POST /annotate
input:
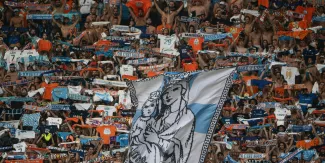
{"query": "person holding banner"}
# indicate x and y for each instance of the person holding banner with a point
(116, 17)
(140, 19)
(16, 21)
(65, 28)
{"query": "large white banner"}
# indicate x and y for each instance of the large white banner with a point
(176, 115)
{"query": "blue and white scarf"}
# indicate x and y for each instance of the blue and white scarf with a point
(291, 155)
(250, 68)
(141, 61)
(78, 97)
(33, 73)
(129, 54)
(216, 37)
(59, 107)
(319, 19)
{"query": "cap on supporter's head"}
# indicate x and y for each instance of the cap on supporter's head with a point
(71, 53)
(103, 35)
(222, 3)
(93, 64)
(16, 10)
(253, 48)
(12, 65)
(313, 44)
(240, 103)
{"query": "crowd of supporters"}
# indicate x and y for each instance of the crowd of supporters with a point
(64, 66)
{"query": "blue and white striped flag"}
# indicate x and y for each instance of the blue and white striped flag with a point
(176, 115)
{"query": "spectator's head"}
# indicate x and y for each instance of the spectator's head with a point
(265, 43)
(74, 6)
(274, 159)
(132, 23)
(191, 29)
(148, 21)
(247, 19)
(302, 43)
(58, 3)
(66, 20)
(220, 156)
(12, 67)
(141, 13)
(281, 128)
(282, 146)
(93, 11)
(235, 9)
(115, 11)
(165, 31)
(224, 15)
(16, 12)
(32, 32)
(320, 9)
(198, 3)
(91, 150)
(115, 20)
(172, 5)
(44, 22)
(78, 130)
(310, 61)
(87, 25)
(222, 4)
(44, 36)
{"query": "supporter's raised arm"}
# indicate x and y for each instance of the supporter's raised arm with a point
(55, 22)
(99, 148)
(132, 13)
(148, 13)
(289, 146)
(162, 13)
(120, 15)
(179, 9)
(207, 8)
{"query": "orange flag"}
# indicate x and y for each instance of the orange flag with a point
(264, 3)
(295, 34)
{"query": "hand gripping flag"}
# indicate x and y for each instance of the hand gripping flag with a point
(176, 115)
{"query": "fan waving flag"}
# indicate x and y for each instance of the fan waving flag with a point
(176, 115)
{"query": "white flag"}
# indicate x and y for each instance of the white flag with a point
(176, 115)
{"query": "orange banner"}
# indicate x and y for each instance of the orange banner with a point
(295, 34)
(23, 161)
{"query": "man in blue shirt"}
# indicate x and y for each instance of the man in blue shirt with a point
(305, 99)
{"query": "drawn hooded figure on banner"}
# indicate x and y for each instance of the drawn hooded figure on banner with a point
(142, 151)
(173, 129)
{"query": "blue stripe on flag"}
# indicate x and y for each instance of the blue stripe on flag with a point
(203, 115)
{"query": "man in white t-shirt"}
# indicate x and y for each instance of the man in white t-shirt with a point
(85, 6)
(124, 98)
(290, 74)
(280, 114)
(126, 70)
(54, 121)
(167, 42)
(20, 147)
(29, 53)
(108, 110)
(235, 19)
(11, 57)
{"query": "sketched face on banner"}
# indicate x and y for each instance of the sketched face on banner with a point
(172, 94)
(149, 107)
